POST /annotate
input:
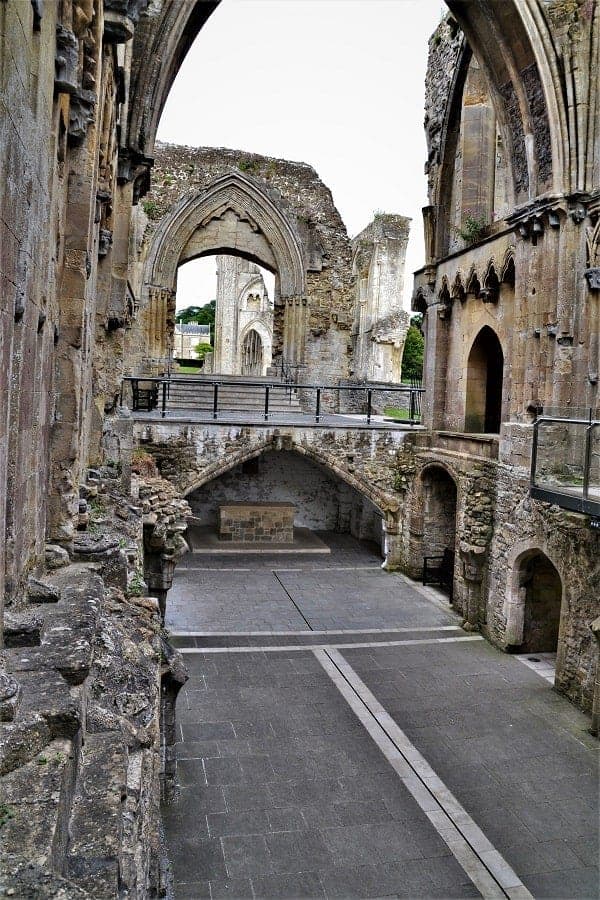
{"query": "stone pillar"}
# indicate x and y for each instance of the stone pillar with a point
(473, 560)
(392, 543)
(288, 329)
(436, 365)
(595, 728)
(515, 615)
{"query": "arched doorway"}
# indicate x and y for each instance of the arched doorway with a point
(439, 517)
(485, 371)
(540, 596)
(252, 354)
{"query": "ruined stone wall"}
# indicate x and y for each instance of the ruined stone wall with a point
(566, 539)
(380, 323)
(242, 305)
(64, 219)
(520, 268)
(86, 678)
(320, 319)
(29, 308)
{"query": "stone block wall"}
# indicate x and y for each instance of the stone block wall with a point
(380, 322)
(257, 523)
(87, 692)
(314, 308)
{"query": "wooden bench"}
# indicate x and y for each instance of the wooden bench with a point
(440, 570)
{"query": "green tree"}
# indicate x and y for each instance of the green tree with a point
(202, 349)
(412, 358)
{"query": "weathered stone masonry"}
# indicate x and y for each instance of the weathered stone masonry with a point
(82, 87)
(275, 212)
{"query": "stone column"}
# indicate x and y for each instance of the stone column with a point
(288, 329)
(436, 327)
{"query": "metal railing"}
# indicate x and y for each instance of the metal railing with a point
(288, 372)
(565, 463)
(154, 394)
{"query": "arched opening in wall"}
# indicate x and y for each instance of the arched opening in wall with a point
(324, 505)
(224, 320)
(540, 598)
(485, 371)
(252, 353)
(439, 525)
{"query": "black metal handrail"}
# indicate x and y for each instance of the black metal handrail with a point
(152, 393)
(566, 495)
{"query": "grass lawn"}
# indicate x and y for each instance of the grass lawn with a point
(189, 370)
(392, 412)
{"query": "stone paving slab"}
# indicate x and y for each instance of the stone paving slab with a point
(284, 794)
(516, 755)
(321, 593)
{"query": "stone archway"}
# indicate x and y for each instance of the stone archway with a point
(439, 495)
(485, 371)
(533, 614)
(326, 498)
(231, 216)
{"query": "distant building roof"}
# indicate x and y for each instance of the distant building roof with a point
(192, 328)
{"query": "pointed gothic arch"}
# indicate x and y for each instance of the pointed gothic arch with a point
(485, 373)
(232, 215)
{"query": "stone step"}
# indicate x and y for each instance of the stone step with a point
(96, 824)
(238, 397)
(37, 797)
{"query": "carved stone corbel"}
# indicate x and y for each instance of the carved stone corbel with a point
(66, 61)
(81, 113)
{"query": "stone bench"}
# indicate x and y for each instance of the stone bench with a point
(257, 523)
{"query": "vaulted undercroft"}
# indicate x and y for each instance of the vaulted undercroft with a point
(95, 218)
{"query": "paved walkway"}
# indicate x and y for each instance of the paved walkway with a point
(375, 750)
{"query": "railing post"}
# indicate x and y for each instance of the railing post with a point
(215, 399)
(369, 405)
(164, 399)
(318, 407)
(587, 459)
(534, 449)
(266, 403)
(411, 413)
(121, 392)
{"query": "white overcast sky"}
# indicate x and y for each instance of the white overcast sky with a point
(338, 84)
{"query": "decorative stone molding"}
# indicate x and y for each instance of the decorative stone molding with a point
(593, 278)
(105, 239)
(81, 113)
(120, 18)
(66, 62)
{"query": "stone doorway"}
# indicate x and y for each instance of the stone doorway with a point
(540, 589)
(439, 512)
(485, 371)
